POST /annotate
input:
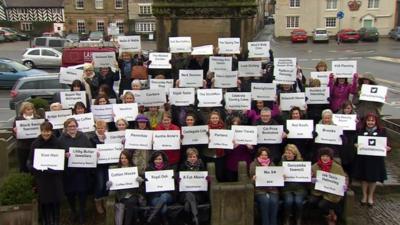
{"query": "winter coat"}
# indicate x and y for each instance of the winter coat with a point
(335, 169)
(108, 80)
(23, 143)
(240, 153)
(365, 107)
(174, 156)
(339, 93)
(252, 172)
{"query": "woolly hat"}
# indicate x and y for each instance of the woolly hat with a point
(142, 118)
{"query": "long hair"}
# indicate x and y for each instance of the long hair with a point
(377, 121)
(127, 156)
(293, 148)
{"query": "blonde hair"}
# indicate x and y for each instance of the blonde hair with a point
(125, 53)
(315, 83)
(123, 120)
(126, 94)
(293, 149)
(100, 123)
(192, 151)
(26, 105)
(55, 105)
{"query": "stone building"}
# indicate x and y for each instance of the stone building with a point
(310, 14)
(84, 16)
(141, 19)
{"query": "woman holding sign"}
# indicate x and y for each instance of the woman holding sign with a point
(340, 90)
(370, 169)
(107, 77)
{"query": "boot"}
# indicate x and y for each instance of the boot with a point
(99, 206)
(104, 204)
(299, 216)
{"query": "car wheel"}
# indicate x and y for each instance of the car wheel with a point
(29, 64)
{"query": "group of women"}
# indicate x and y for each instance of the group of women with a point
(133, 72)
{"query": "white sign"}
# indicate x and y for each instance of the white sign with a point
(263, 91)
(373, 93)
(372, 145)
(346, 121)
(300, 128)
(85, 122)
(209, 97)
(82, 157)
(167, 140)
(109, 153)
(150, 97)
(68, 75)
(245, 135)
(113, 137)
(123, 178)
(129, 43)
(128, 111)
(164, 84)
(57, 118)
(193, 181)
(238, 100)
(250, 69)
(317, 95)
(290, 100)
(27, 129)
(221, 139)
(269, 176)
(344, 69)
(258, 49)
(45, 159)
(269, 134)
(220, 63)
(328, 134)
(285, 70)
(180, 44)
(323, 77)
(104, 59)
(181, 96)
(296, 171)
(226, 79)
(161, 180)
(160, 60)
(103, 112)
(203, 50)
(330, 183)
(195, 135)
(139, 139)
(69, 98)
(229, 45)
(191, 78)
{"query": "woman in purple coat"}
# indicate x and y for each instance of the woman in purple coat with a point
(340, 90)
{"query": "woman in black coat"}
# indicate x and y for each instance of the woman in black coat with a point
(76, 180)
(48, 182)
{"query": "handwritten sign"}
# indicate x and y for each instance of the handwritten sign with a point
(57, 118)
(161, 180)
(296, 171)
(226, 79)
(220, 63)
(139, 139)
(181, 96)
(85, 122)
(82, 157)
(245, 135)
(180, 44)
(103, 112)
(44, 159)
(373, 93)
(123, 178)
(371, 145)
(27, 129)
(114, 137)
(323, 77)
(330, 183)
(209, 97)
(221, 139)
(229, 45)
(285, 70)
(300, 128)
(160, 60)
(269, 176)
(344, 69)
(129, 43)
(68, 75)
(109, 153)
(250, 69)
(317, 95)
(191, 78)
(104, 59)
(345, 121)
(69, 98)
(263, 91)
(259, 49)
(269, 134)
(193, 181)
(195, 135)
(290, 100)
(127, 111)
(238, 100)
(166, 140)
(203, 50)
(328, 134)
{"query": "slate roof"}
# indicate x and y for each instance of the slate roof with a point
(34, 3)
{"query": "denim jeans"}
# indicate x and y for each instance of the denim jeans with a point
(101, 179)
(165, 198)
(293, 199)
(268, 204)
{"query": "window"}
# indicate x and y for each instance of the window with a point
(26, 26)
(292, 21)
(100, 25)
(145, 9)
(40, 42)
(31, 85)
(120, 25)
(119, 4)
(98, 4)
(56, 43)
(294, 3)
(52, 84)
(34, 52)
(331, 4)
(373, 4)
(145, 27)
(6, 68)
(79, 4)
(46, 52)
(80, 26)
(330, 22)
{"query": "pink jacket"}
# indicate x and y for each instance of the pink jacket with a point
(340, 93)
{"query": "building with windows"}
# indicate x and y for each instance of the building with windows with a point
(310, 14)
(141, 17)
(84, 16)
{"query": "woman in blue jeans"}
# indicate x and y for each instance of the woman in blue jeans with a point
(267, 198)
(293, 192)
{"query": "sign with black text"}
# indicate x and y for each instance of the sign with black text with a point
(128, 111)
(250, 69)
(220, 63)
(344, 69)
(103, 112)
(69, 98)
(129, 43)
(300, 128)
(346, 121)
(322, 76)
(372, 145)
(193, 181)
(82, 157)
(328, 134)
(57, 118)
(68, 75)
(297, 171)
(317, 95)
(191, 78)
(269, 176)
(160, 60)
(330, 183)
(263, 91)
(160, 180)
(238, 100)
(195, 135)
(290, 100)
(167, 140)
(245, 135)
(104, 59)
(373, 93)
(258, 49)
(229, 45)
(225, 79)
(27, 129)
(220, 138)
(285, 70)
(269, 134)
(180, 44)
(209, 97)
(123, 178)
(44, 159)
(181, 96)
(139, 139)
(114, 137)
(165, 84)
(85, 122)
(109, 153)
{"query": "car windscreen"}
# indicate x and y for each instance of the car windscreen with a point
(320, 32)
(351, 33)
(18, 66)
(299, 33)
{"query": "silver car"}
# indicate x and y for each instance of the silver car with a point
(41, 58)
(320, 35)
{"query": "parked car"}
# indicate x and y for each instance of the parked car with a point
(395, 33)
(11, 71)
(50, 42)
(2, 37)
(20, 35)
(369, 34)
(347, 35)
(269, 20)
(320, 35)
(74, 37)
(96, 36)
(9, 36)
(41, 58)
(38, 86)
(298, 35)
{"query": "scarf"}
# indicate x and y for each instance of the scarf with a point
(263, 162)
(326, 167)
(219, 125)
(159, 166)
(193, 166)
(101, 137)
